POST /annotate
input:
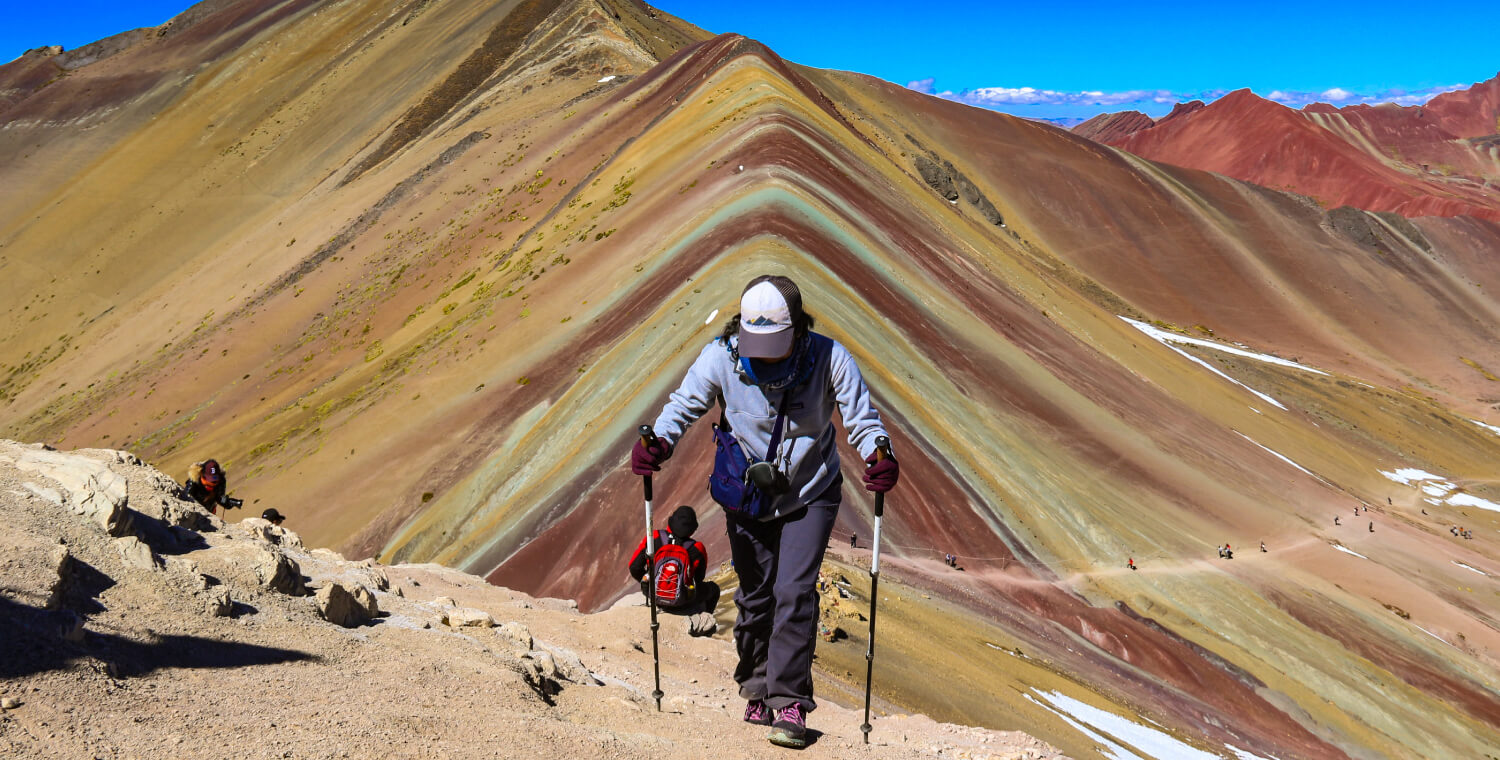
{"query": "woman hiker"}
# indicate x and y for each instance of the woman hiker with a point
(768, 366)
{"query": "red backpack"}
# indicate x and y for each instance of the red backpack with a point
(674, 573)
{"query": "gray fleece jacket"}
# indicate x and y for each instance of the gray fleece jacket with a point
(808, 453)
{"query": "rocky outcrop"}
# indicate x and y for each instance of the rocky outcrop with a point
(85, 486)
(950, 183)
(64, 566)
(341, 606)
(515, 636)
(264, 530)
(279, 572)
(137, 553)
(937, 177)
(463, 617)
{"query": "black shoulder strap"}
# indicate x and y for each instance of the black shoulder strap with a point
(776, 430)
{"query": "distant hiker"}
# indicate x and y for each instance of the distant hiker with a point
(853, 540)
(1335, 519)
(1453, 530)
(207, 484)
(273, 517)
(1130, 563)
(777, 382)
(1221, 552)
(950, 560)
(681, 564)
(1388, 502)
(1263, 547)
(1364, 507)
(1228, 552)
(1372, 526)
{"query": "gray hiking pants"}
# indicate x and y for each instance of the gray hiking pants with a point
(777, 563)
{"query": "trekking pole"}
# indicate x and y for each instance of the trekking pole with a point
(882, 450)
(648, 438)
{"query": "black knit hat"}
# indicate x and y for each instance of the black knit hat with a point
(683, 522)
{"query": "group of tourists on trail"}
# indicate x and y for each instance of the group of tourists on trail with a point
(777, 385)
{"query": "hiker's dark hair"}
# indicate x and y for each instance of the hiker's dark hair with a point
(802, 322)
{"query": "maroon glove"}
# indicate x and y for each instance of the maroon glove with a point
(645, 460)
(881, 475)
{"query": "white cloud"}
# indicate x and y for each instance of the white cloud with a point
(1002, 98)
(922, 85)
(1343, 97)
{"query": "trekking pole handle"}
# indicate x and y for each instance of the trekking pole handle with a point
(648, 439)
(882, 451)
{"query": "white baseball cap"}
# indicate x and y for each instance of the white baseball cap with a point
(766, 321)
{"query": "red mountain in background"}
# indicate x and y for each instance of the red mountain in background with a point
(1439, 159)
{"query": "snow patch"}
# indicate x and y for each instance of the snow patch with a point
(1469, 500)
(1439, 488)
(711, 316)
(609, 78)
(1487, 426)
(1348, 551)
(1276, 454)
(1468, 567)
(1118, 733)
(1435, 636)
(1166, 339)
(1408, 475)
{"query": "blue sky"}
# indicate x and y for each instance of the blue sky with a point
(1033, 59)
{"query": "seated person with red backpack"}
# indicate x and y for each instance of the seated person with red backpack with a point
(681, 564)
(207, 485)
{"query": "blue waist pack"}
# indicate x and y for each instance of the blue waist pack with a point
(732, 484)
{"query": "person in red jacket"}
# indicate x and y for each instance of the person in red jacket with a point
(207, 484)
(681, 567)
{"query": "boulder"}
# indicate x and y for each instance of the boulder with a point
(92, 489)
(515, 636)
(542, 664)
(137, 553)
(375, 578)
(936, 177)
(459, 617)
(66, 567)
(340, 606)
(279, 572)
(217, 602)
(702, 624)
(366, 600)
(44, 493)
(262, 529)
(180, 513)
(568, 667)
